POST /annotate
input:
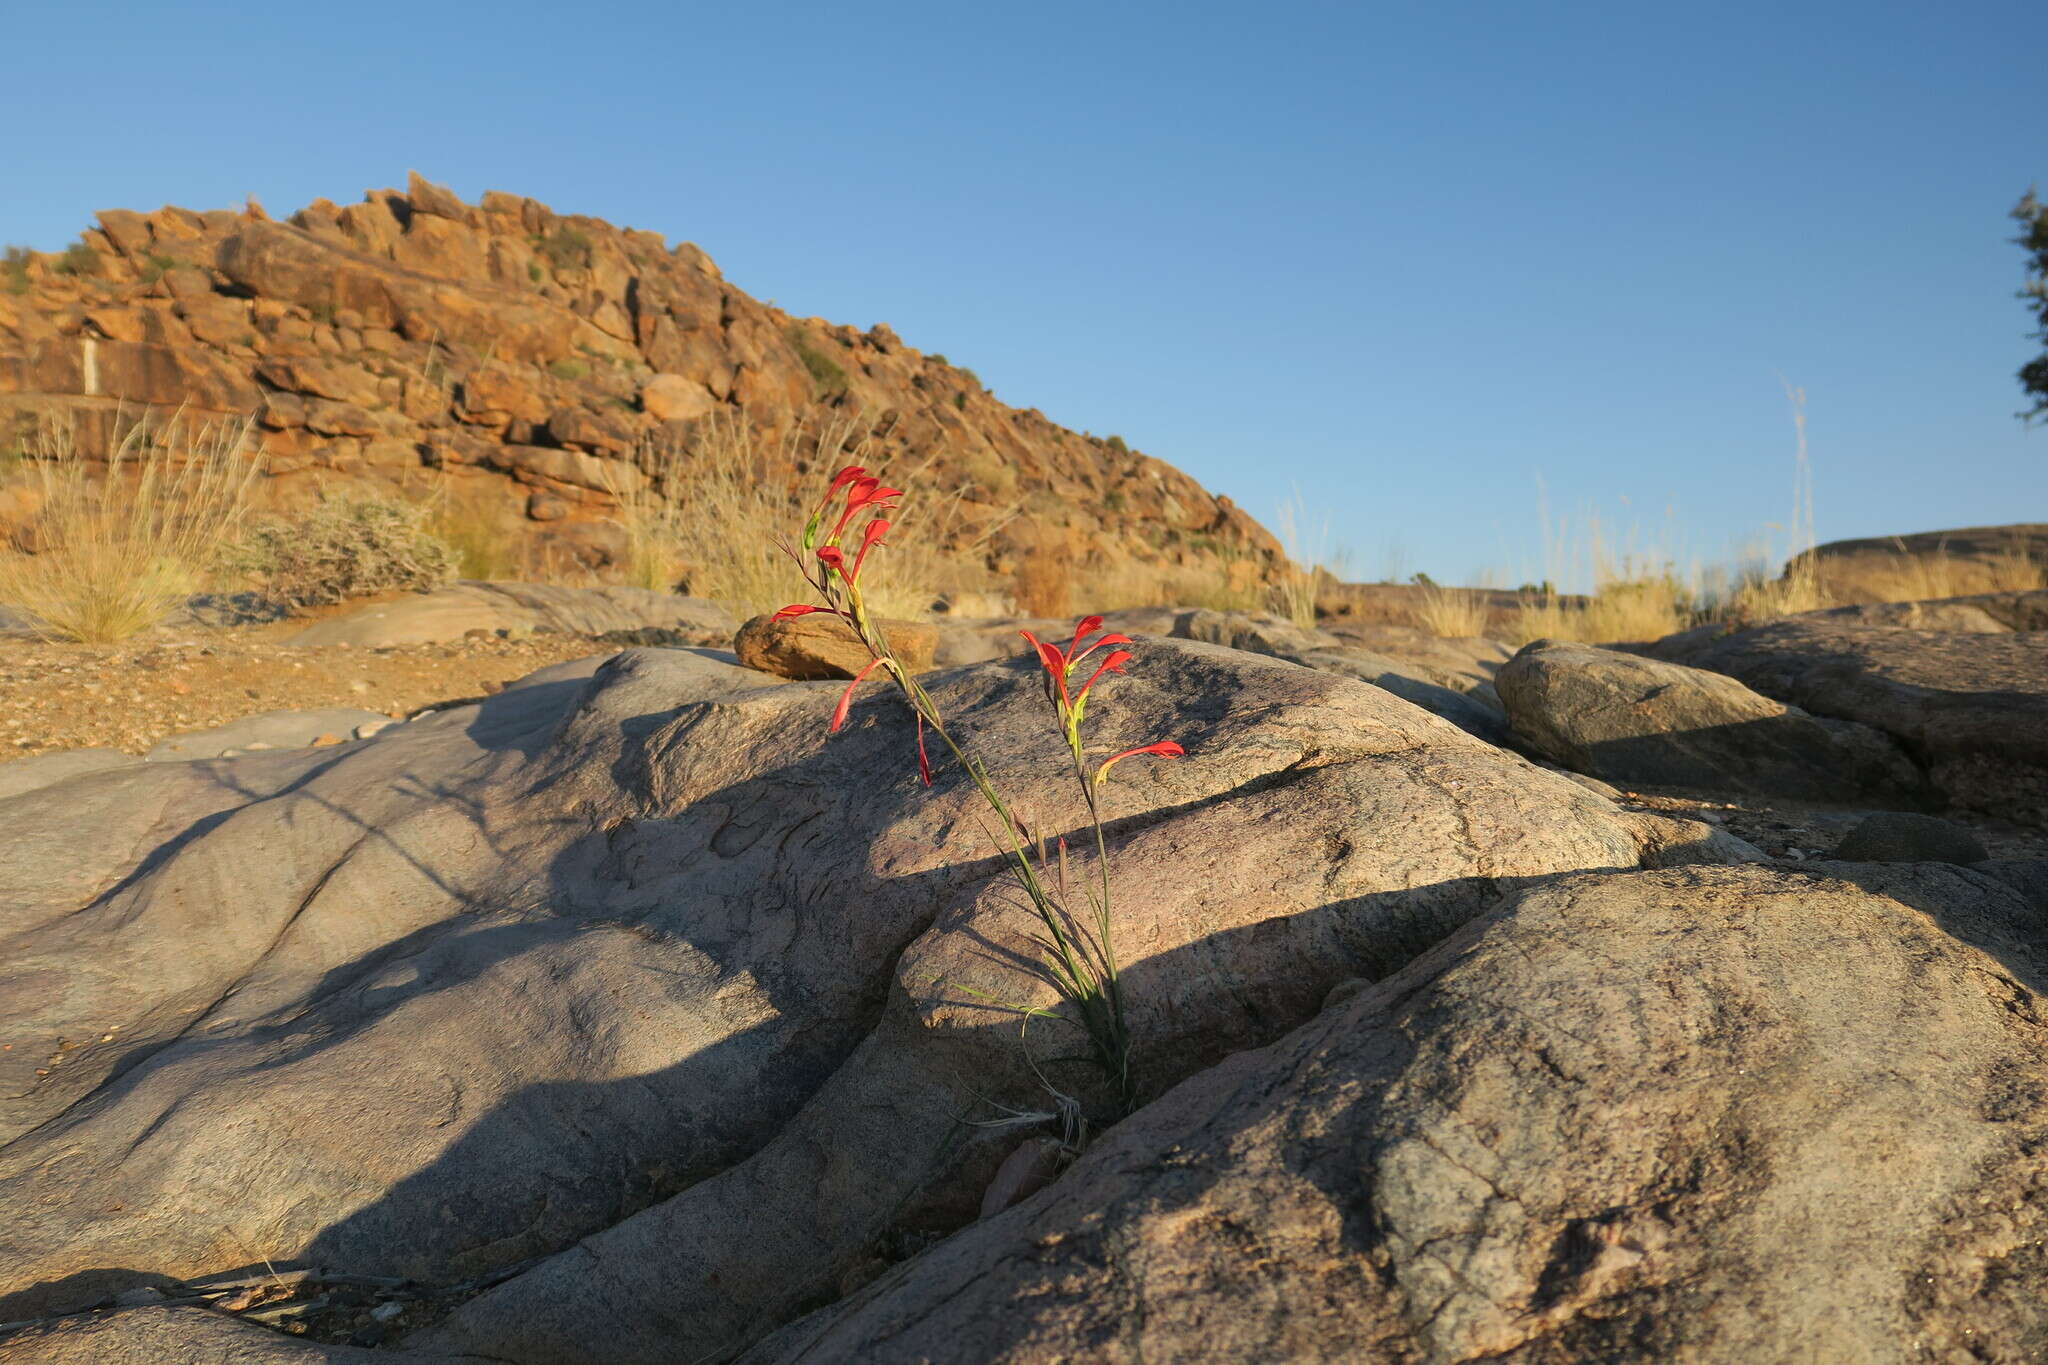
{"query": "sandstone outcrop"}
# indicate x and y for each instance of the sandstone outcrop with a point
(526, 363)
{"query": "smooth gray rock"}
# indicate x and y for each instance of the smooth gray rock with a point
(265, 730)
(47, 770)
(451, 613)
(1904, 837)
(1645, 723)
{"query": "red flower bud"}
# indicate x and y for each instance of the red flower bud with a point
(1165, 748)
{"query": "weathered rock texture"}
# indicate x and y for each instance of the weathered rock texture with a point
(520, 360)
(1703, 1115)
(1971, 708)
(1643, 722)
(643, 970)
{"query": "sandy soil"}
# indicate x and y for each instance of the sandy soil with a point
(132, 695)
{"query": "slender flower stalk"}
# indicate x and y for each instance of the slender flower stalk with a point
(1078, 957)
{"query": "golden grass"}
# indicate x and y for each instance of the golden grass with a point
(1453, 613)
(1924, 577)
(122, 543)
(1233, 582)
(710, 516)
(486, 543)
(1626, 605)
(1294, 590)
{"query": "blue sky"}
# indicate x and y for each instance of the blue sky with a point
(1417, 260)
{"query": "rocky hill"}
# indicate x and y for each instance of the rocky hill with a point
(526, 362)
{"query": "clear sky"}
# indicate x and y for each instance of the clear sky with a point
(1416, 260)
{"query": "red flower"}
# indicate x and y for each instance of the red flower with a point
(869, 539)
(868, 493)
(1059, 663)
(839, 481)
(846, 697)
(1165, 748)
(798, 609)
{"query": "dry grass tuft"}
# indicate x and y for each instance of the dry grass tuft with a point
(1628, 603)
(1294, 593)
(709, 516)
(1234, 583)
(1922, 577)
(1454, 613)
(120, 544)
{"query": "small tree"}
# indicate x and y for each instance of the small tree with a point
(2032, 216)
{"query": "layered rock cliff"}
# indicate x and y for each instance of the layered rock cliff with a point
(522, 360)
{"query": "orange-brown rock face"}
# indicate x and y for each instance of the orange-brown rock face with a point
(508, 354)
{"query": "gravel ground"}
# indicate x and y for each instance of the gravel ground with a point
(130, 696)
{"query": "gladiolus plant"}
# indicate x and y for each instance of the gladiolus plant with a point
(1079, 955)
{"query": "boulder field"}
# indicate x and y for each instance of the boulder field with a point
(682, 1030)
(528, 367)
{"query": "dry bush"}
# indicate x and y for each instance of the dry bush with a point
(486, 544)
(345, 547)
(710, 515)
(1041, 586)
(119, 544)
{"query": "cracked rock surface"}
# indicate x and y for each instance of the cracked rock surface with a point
(643, 975)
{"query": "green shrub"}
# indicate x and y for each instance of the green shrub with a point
(345, 547)
(960, 401)
(566, 249)
(323, 313)
(534, 272)
(14, 269)
(78, 259)
(568, 369)
(1116, 443)
(826, 375)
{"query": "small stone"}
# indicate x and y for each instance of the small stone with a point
(372, 727)
(326, 741)
(1903, 837)
(822, 646)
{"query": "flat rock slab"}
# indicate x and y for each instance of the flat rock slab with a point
(1646, 723)
(269, 730)
(644, 973)
(47, 770)
(1712, 1115)
(1971, 708)
(453, 612)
